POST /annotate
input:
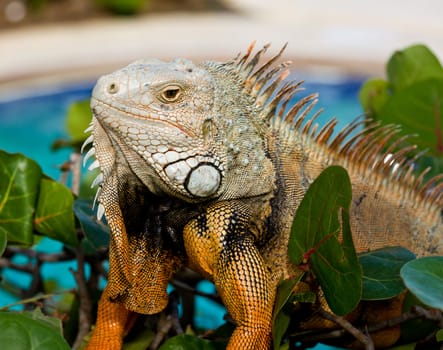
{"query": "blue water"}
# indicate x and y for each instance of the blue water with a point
(32, 120)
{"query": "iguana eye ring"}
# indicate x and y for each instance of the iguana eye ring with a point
(171, 93)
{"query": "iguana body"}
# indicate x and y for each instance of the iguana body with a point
(204, 166)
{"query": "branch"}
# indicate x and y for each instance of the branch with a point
(415, 312)
(85, 310)
(184, 286)
(35, 299)
(43, 257)
(359, 335)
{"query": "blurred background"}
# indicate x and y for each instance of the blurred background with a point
(76, 39)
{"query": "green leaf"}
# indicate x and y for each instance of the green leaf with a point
(411, 65)
(439, 335)
(315, 232)
(381, 272)
(96, 232)
(19, 186)
(77, 120)
(53, 322)
(424, 278)
(54, 216)
(373, 95)
(189, 342)
(419, 110)
(282, 318)
(21, 332)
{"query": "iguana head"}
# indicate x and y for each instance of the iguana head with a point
(186, 130)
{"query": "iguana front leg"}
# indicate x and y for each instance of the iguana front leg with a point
(112, 323)
(141, 262)
(219, 244)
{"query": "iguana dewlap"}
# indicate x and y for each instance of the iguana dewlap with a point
(203, 165)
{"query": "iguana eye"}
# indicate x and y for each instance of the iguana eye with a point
(171, 93)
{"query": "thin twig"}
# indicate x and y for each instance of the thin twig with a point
(182, 285)
(359, 335)
(165, 323)
(414, 313)
(44, 257)
(320, 337)
(36, 299)
(4, 262)
(85, 309)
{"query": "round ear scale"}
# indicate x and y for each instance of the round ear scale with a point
(203, 181)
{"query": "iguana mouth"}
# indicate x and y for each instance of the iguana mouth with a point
(98, 106)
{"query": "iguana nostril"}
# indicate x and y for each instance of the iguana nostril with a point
(113, 88)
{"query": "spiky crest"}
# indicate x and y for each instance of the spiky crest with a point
(363, 144)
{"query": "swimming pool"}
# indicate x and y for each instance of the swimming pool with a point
(30, 121)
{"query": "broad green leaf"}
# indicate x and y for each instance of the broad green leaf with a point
(419, 110)
(373, 95)
(282, 318)
(19, 186)
(381, 272)
(439, 335)
(315, 232)
(53, 322)
(3, 242)
(411, 65)
(189, 342)
(424, 278)
(54, 216)
(78, 118)
(21, 332)
(96, 232)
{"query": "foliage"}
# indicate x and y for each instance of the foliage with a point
(33, 206)
(424, 278)
(321, 237)
(381, 272)
(18, 194)
(412, 96)
(123, 7)
(282, 316)
(77, 120)
(31, 331)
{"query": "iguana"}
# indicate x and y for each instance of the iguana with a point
(204, 165)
